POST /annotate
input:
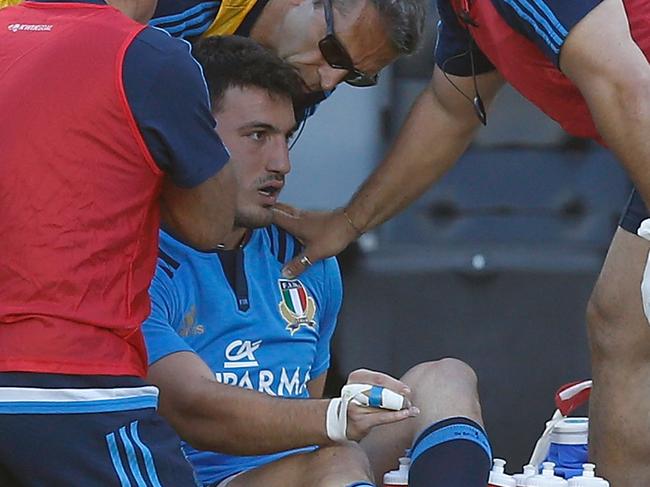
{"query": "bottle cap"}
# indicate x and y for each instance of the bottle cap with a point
(498, 477)
(520, 478)
(399, 476)
(588, 478)
(571, 431)
(547, 478)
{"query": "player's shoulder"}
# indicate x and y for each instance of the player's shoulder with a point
(173, 257)
(180, 8)
(155, 57)
(446, 12)
(284, 247)
(185, 18)
(155, 45)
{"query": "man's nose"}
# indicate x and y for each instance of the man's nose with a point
(330, 77)
(280, 162)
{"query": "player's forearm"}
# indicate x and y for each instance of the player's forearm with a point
(243, 422)
(203, 215)
(429, 143)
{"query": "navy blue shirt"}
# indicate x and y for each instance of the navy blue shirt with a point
(547, 23)
(169, 99)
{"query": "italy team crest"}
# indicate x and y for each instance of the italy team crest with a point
(297, 307)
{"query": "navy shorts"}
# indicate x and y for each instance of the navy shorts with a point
(69, 431)
(634, 213)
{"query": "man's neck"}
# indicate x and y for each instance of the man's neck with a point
(236, 238)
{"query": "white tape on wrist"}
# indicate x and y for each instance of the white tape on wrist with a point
(645, 289)
(365, 395)
(644, 232)
(337, 423)
(644, 229)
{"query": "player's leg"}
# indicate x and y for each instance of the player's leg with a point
(446, 393)
(76, 431)
(335, 466)
(619, 336)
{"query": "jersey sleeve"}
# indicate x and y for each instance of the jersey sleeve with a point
(331, 297)
(453, 44)
(547, 23)
(160, 327)
(169, 99)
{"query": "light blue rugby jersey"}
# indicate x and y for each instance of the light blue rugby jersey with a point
(252, 327)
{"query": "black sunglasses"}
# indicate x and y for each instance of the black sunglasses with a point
(337, 56)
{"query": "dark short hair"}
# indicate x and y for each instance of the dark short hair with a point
(234, 61)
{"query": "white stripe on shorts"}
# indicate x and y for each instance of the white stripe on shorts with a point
(32, 394)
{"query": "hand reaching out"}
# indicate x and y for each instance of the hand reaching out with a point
(358, 420)
(324, 234)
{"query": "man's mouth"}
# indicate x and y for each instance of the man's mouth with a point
(271, 190)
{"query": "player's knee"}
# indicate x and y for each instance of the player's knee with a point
(444, 388)
(599, 315)
(615, 326)
(338, 465)
(441, 373)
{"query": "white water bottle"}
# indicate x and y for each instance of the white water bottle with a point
(522, 478)
(498, 477)
(547, 478)
(398, 477)
(588, 478)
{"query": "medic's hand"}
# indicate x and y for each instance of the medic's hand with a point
(324, 234)
(361, 419)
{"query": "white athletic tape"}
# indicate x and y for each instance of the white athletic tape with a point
(644, 232)
(337, 423)
(385, 398)
(365, 395)
(645, 289)
(644, 229)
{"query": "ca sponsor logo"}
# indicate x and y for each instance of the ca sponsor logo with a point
(297, 307)
(241, 354)
(30, 27)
